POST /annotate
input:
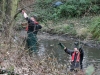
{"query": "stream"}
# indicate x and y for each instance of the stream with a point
(49, 46)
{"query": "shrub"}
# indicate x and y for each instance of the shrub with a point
(69, 8)
(72, 8)
(95, 9)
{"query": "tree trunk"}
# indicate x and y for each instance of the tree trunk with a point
(8, 10)
(13, 9)
(2, 10)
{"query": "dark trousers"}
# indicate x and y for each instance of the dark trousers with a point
(74, 66)
(32, 41)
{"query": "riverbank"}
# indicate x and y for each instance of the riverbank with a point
(17, 59)
(73, 28)
(63, 37)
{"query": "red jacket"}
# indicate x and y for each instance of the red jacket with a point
(78, 57)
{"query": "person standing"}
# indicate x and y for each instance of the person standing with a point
(32, 30)
(76, 57)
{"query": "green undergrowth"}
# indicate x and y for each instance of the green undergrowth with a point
(73, 26)
(95, 28)
(71, 18)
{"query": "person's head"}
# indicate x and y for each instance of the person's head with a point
(34, 17)
(76, 50)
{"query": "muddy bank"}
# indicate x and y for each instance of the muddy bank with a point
(22, 63)
(85, 42)
(61, 37)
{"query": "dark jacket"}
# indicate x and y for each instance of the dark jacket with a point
(32, 27)
(70, 52)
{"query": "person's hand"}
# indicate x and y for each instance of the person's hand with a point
(59, 43)
(64, 48)
(20, 10)
(23, 11)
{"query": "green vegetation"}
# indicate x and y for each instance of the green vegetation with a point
(76, 12)
(95, 27)
(79, 11)
(69, 8)
(60, 29)
(71, 18)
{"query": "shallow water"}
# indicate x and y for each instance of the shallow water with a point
(48, 46)
(51, 48)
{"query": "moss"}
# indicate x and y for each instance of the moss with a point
(14, 6)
